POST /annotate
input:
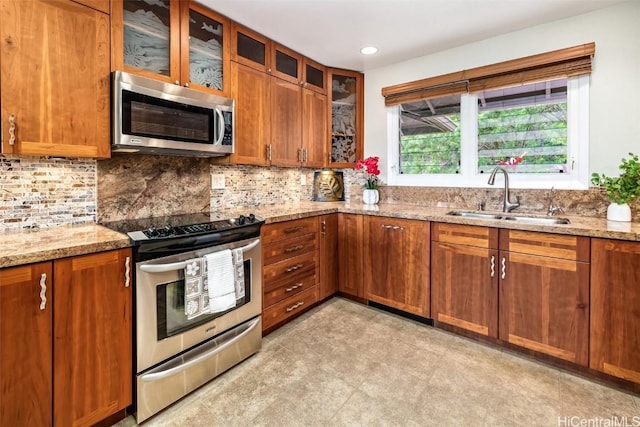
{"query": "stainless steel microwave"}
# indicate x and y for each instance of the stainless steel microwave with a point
(150, 116)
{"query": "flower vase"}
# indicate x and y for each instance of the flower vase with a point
(370, 196)
(619, 212)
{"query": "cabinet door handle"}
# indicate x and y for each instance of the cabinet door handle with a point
(504, 267)
(323, 226)
(294, 287)
(127, 272)
(43, 291)
(493, 265)
(294, 248)
(269, 152)
(177, 82)
(582, 305)
(12, 129)
(294, 268)
(292, 229)
(306, 155)
(186, 84)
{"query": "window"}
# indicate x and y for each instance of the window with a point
(531, 121)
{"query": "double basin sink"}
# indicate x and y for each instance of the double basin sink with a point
(507, 217)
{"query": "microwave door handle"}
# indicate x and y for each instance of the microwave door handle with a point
(163, 268)
(220, 126)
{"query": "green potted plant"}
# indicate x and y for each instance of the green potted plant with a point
(621, 189)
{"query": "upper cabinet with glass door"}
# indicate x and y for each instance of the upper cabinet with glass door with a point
(346, 112)
(174, 41)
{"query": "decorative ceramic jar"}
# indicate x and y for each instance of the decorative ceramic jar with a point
(619, 212)
(370, 197)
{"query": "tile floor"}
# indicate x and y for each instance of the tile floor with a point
(346, 364)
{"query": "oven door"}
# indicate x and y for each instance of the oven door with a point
(163, 329)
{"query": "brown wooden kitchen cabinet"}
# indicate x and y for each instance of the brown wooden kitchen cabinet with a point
(329, 259)
(396, 263)
(290, 271)
(26, 356)
(185, 44)
(295, 129)
(464, 277)
(351, 254)
(346, 114)
(615, 308)
(544, 293)
(54, 68)
(92, 337)
(65, 337)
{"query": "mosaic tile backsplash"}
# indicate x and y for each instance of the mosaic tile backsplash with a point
(39, 192)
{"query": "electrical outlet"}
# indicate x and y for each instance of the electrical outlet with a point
(303, 179)
(217, 181)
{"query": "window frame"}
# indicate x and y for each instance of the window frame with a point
(577, 148)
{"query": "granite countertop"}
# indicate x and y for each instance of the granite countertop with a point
(26, 247)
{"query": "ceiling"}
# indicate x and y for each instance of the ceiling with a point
(332, 32)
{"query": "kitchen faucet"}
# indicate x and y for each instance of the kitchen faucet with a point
(553, 209)
(507, 206)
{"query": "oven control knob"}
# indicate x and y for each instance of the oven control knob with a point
(232, 221)
(241, 219)
(252, 218)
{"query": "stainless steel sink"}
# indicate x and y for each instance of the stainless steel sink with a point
(526, 219)
(481, 215)
(537, 220)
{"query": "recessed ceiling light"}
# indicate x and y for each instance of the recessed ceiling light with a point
(369, 50)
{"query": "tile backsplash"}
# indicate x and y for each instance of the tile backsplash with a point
(41, 192)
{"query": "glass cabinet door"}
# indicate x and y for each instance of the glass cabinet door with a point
(250, 48)
(287, 64)
(315, 76)
(205, 35)
(346, 118)
(149, 37)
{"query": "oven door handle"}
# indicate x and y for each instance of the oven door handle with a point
(199, 358)
(163, 268)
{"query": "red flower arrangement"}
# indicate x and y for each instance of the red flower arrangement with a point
(370, 165)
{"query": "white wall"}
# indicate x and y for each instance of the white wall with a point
(615, 80)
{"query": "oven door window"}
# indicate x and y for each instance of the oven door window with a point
(170, 298)
(152, 117)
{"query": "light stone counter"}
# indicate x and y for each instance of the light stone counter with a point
(25, 247)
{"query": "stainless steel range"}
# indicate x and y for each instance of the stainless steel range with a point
(197, 304)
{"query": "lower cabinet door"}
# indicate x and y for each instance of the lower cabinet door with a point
(92, 337)
(25, 345)
(544, 305)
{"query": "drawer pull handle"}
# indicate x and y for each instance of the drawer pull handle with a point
(294, 268)
(294, 287)
(292, 229)
(392, 227)
(294, 306)
(43, 291)
(582, 305)
(294, 248)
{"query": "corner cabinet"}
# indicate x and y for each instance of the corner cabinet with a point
(464, 277)
(178, 42)
(61, 106)
(346, 112)
(351, 254)
(615, 308)
(396, 263)
(66, 340)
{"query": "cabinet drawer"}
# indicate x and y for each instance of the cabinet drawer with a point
(574, 248)
(290, 269)
(289, 307)
(288, 248)
(288, 229)
(277, 291)
(469, 235)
